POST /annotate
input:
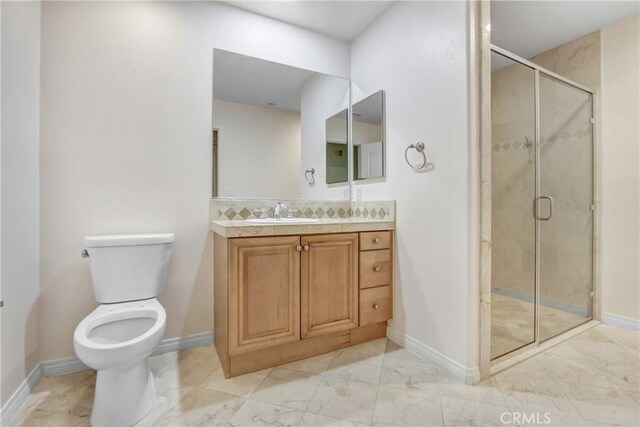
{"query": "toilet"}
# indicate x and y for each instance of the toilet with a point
(116, 339)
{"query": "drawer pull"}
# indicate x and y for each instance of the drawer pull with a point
(306, 248)
(298, 248)
(376, 240)
(376, 306)
(376, 268)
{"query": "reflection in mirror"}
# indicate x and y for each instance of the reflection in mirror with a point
(368, 137)
(271, 122)
(337, 155)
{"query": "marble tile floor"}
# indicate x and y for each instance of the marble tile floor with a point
(590, 380)
(513, 323)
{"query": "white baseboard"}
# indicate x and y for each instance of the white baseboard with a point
(621, 321)
(66, 365)
(15, 402)
(69, 365)
(182, 343)
(458, 371)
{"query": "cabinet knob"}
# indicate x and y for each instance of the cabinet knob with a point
(376, 306)
(376, 240)
(306, 248)
(298, 248)
(376, 268)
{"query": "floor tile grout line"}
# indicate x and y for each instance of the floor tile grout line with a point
(613, 380)
(353, 380)
(477, 401)
(517, 408)
(590, 363)
(324, 373)
(558, 383)
(375, 400)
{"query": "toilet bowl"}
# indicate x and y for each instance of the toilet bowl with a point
(116, 339)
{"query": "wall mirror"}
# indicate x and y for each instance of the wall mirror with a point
(270, 124)
(337, 153)
(368, 137)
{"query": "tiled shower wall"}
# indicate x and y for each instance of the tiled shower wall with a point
(566, 174)
(232, 209)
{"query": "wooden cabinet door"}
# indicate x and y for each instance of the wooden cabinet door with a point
(329, 284)
(264, 292)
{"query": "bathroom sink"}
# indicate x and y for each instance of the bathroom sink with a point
(281, 221)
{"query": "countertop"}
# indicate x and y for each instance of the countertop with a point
(239, 228)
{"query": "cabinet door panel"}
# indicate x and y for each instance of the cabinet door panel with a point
(264, 284)
(329, 285)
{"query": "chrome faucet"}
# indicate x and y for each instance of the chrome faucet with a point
(278, 210)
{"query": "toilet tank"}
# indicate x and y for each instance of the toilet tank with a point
(128, 267)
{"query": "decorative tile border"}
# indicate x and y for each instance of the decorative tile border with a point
(232, 209)
(385, 210)
(527, 143)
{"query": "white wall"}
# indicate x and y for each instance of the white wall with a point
(321, 97)
(19, 230)
(126, 140)
(417, 52)
(257, 142)
(620, 169)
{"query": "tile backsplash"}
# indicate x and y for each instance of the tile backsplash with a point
(375, 209)
(232, 209)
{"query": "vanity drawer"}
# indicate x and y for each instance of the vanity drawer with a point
(375, 305)
(375, 268)
(372, 240)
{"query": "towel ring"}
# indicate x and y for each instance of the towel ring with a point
(419, 147)
(311, 179)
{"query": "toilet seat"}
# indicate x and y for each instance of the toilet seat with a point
(120, 334)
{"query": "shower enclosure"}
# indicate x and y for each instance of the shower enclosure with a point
(542, 204)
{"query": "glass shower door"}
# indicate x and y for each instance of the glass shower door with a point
(513, 286)
(564, 207)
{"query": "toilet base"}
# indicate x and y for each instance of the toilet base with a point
(123, 396)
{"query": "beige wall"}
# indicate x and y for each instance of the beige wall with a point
(126, 140)
(19, 280)
(620, 269)
(251, 141)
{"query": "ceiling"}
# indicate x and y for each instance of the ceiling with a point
(528, 28)
(523, 27)
(339, 19)
(248, 80)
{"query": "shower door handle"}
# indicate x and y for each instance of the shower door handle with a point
(536, 205)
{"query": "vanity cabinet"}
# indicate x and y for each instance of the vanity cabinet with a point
(264, 299)
(329, 283)
(282, 298)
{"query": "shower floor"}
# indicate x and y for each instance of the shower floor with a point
(513, 323)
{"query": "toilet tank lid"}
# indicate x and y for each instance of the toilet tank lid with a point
(128, 240)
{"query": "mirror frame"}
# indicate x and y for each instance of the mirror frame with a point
(383, 135)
